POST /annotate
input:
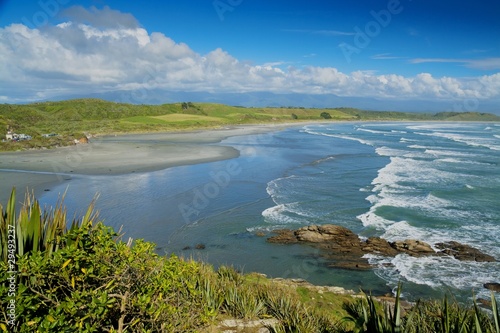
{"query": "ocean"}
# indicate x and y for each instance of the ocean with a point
(433, 182)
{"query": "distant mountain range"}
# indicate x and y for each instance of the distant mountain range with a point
(269, 99)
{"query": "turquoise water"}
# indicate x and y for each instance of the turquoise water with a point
(428, 181)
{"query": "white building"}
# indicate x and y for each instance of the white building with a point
(11, 136)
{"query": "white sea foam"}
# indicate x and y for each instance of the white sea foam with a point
(339, 136)
(370, 130)
(276, 215)
(407, 140)
(411, 182)
(371, 219)
(437, 272)
(273, 185)
(460, 161)
(482, 234)
(442, 152)
(466, 139)
(403, 230)
(391, 189)
(402, 169)
(287, 213)
(386, 151)
(268, 228)
(444, 126)
(418, 146)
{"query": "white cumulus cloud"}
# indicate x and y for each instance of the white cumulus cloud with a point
(105, 50)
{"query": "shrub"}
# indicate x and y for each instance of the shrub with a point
(94, 282)
(325, 115)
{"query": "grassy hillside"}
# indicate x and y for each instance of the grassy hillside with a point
(74, 118)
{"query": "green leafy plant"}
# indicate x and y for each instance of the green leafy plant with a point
(35, 230)
(367, 315)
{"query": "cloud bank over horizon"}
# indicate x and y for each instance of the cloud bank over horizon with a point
(104, 50)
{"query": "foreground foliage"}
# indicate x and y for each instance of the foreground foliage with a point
(368, 315)
(85, 279)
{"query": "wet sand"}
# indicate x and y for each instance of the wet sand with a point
(39, 170)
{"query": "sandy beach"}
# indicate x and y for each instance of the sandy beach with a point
(39, 170)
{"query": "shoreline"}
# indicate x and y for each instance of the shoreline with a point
(41, 170)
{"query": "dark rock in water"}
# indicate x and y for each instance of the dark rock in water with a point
(464, 252)
(344, 249)
(284, 236)
(327, 233)
(380, 246)
(200, 246)
(484, 302)
(412, 247)
(492, 286)
(360, 264)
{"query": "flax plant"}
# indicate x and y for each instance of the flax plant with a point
(36, 230)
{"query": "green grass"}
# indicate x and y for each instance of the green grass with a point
(74, 118)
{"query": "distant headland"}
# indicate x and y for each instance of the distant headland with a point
(62, 123)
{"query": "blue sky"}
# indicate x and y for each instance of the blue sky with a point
(417, 50)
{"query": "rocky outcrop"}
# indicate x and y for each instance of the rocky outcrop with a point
(412, 247)
(344, 249)
(283, 236)
(377, 245)
(327, 233)
(464, 252)
(493, 286)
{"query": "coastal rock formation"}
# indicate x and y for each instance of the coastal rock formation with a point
(380, 246)
(344, 249)
(464, 252)
(493, 286)
(283, 236)
(412, 247)
(327, 233)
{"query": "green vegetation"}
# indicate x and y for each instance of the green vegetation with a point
(368, 315)
(73, 119)
(85, 279)
(326, 115)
